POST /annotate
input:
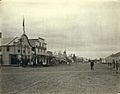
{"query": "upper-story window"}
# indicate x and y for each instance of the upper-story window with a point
(40, 44)
(44, 51)
(43, 45)
(18, 50)
(28, 51)
(23, 51)
(33, 49)
(38, 50)
(8, 49)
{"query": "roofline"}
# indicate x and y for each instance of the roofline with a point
(33, 39)
(38, 38)
(41, 38)
(12, 40)
(113, 55)
(7, 45)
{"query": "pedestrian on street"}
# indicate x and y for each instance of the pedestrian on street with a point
(92, 64)
(117, 67)
(113, 63)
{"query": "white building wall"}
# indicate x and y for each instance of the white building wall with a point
(14, 50)
(6, 54)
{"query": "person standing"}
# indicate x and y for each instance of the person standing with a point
(92, 64)
(113, 63)
(117, 67)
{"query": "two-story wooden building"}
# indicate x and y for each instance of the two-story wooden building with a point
(13, 49)
(39, 50)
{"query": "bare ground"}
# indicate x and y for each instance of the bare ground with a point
(63, 79)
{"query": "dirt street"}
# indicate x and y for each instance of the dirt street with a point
(62, 79)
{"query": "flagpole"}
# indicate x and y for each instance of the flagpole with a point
(23, 25)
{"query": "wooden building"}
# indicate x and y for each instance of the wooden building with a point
(15, 49)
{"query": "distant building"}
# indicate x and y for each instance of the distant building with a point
(115, 57)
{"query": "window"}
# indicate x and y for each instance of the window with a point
(40, 44)
(23, 51)
(33, 49)
(44, 51)
(28, 51)
(43, 45)
(38, 50)
(18, 51)
(0, 49)
(8, 49)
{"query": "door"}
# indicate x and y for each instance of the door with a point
(13, 59)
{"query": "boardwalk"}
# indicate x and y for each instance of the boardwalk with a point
(74, 79)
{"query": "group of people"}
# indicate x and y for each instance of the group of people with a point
(116, 65)
(23, 61)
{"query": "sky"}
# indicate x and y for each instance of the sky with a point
(88, 28)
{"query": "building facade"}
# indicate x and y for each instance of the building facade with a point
(16, 50)
(113, 57)
(39, 51)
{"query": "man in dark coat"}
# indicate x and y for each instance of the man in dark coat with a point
(117, 66)
(92, 64)
(113, 63)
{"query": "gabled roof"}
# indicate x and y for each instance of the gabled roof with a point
(9, 41)
(32, 42)
(116, 55)
(16, 39)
